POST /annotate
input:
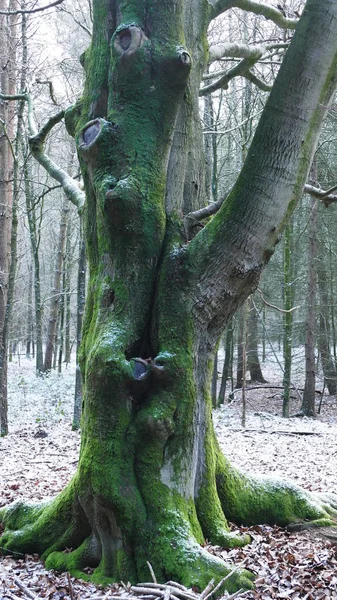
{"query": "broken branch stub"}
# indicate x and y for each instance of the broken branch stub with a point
(129, 39)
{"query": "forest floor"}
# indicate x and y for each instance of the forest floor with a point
(40, 453)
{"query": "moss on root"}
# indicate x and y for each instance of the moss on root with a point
(253, 500)
(44, 527)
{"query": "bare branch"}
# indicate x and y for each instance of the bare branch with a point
(33, 10)
(237, 50)
(262, 85)
(281, 310)
(193, 219)
(51, 90)
(239, 69)
(36, 144)
(79, 23)
(226, 131)
(326, 196)
(258, 8)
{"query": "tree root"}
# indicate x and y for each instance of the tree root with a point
(44, 527)
(250, 501)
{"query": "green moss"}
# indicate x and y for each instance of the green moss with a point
(250, 501)
(43, 527)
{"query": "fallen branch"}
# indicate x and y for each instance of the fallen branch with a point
(264, 387)
(277, 431)
(25, 590)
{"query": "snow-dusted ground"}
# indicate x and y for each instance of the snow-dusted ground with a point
(38, 400)
(300, 449)
(40, 453)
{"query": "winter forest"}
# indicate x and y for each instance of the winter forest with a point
(168, 299)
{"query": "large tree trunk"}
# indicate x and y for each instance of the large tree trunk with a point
(151, 482)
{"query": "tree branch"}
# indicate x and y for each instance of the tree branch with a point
(193, 219)
(258, 8)
(239, 69)
(326, 196)
(281, 310)
(36, 144)
(79, 23)
(262, 85)
(234, 50)
(237, 50)
(51, 90)
(33, 10)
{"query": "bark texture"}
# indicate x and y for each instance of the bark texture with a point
(7, 86)
(151, 482)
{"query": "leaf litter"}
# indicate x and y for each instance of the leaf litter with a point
(40, 454)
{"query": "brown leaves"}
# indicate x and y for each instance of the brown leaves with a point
(289, 566)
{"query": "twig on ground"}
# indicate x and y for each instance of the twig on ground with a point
(25, 590)
(220, 584)
(207, 589)
(71, 589)
(151, 571)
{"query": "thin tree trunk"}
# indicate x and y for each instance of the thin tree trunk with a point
(7, 206)
(228, 362)
(215, 381)
(253, 361)
(34, 241)
(328, 364)
(67, 297)
(29, 312)
(308, 403)
(288, 299)
(62, 304)
(80, 311)
(240, 347)
(55, 292)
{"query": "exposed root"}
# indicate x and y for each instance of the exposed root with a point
(44, 527)
(250, 501)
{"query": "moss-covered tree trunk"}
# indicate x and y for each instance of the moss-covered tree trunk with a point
(151, 483)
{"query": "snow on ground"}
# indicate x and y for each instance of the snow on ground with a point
(40, 453)
(300, 449)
